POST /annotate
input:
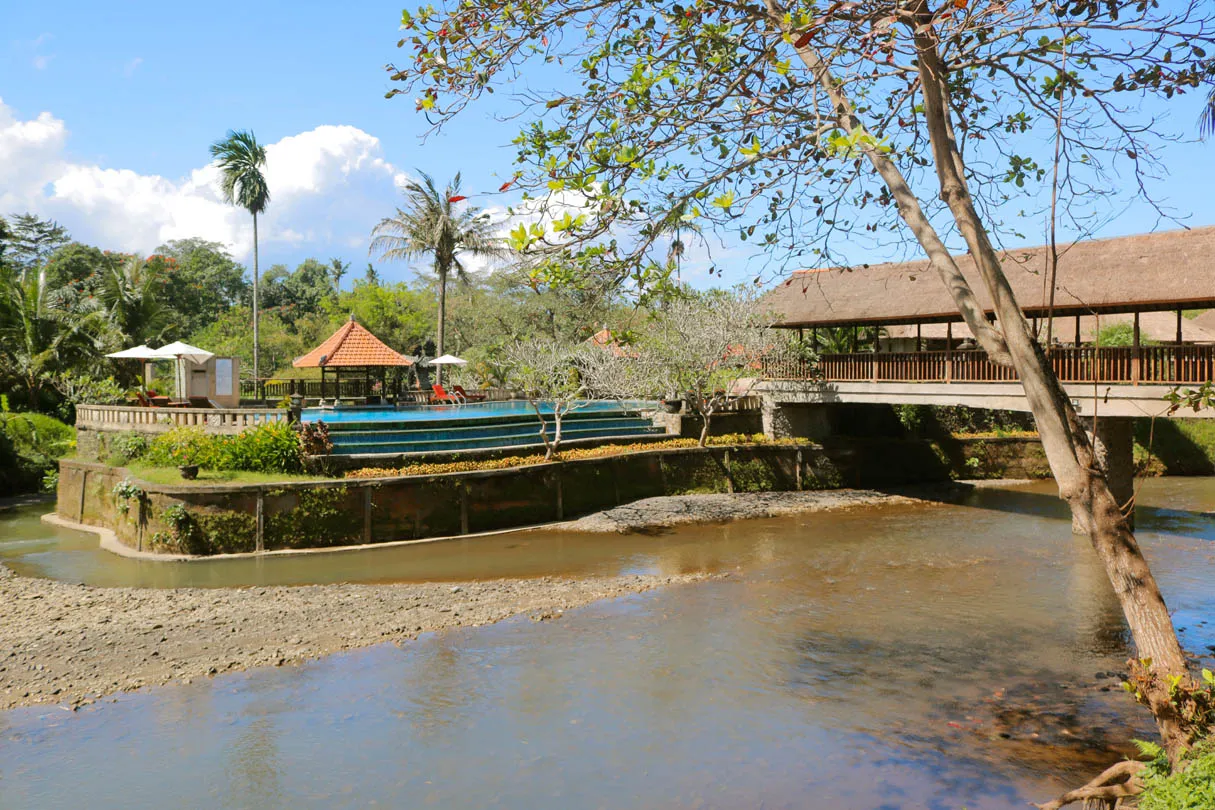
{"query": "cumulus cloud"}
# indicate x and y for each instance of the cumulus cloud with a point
(328, 186)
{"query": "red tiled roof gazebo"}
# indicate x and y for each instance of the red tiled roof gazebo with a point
(353, 348)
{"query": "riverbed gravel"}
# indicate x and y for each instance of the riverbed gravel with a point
(667, 511)
(71, 644)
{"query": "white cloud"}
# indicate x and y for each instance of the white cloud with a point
(42, 60)
(129, 69)
(328, 186)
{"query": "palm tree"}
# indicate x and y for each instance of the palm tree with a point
(47, 331)
(430, 223)
(1206, 122)
(241, 159)
(130, 292)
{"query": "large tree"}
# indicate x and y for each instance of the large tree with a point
(201, 282)
(241, 160)
(433, 222)
(29, 241)
(804, 126)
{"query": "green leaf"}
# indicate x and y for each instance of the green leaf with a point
(724, 201)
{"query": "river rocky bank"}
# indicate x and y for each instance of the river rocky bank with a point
(71, 644)
(664, 512)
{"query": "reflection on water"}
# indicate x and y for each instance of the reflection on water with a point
(933, 656)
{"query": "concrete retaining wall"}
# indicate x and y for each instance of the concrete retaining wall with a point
(248, 518)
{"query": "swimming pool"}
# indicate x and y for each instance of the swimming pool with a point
(472, 410)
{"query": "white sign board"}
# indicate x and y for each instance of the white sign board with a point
(223, 376)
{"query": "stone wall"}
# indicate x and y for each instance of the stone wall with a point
(246, 518)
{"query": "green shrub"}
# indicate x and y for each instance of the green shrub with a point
(266, 448)
(185, 445)
(30, 446)
(126, 447)
(1191, 788)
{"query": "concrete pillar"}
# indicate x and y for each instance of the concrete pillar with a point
(795, 420)
(1113, 444)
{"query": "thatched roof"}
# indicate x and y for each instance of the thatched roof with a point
(352, 346)
(1150, 272)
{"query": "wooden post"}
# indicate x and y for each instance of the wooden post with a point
(874, 359)
(814, 336)
(322, 383)
(917, 337)
(949, 351)
(855, 339)
(1177, 362)
(1135, 353)
(1077, 330)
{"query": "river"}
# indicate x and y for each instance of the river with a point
(908, 656)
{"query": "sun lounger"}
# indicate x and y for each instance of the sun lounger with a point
(467, 397)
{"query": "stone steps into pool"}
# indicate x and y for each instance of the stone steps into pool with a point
(388, 437)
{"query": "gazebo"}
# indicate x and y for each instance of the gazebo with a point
(354, 350)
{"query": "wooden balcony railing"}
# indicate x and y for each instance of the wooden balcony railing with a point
(1114, 364)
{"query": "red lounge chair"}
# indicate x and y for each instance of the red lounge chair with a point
(467, 397)
(438, 395)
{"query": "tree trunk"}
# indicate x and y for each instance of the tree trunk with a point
(442, 319)
(256, 336)
(1067, 448)
(704, 427)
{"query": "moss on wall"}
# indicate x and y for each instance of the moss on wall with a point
(313, 518)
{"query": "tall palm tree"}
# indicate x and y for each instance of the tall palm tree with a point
(430, 223)
(1206, 122)
(241, 159)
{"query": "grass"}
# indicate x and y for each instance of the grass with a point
(170, 476)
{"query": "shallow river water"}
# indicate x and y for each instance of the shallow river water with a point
(925, 656)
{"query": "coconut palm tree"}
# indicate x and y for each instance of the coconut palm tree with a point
(431, 223)
(1206, 122)
(241, 159)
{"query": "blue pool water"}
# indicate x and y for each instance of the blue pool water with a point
(474, 426)
(472, 410)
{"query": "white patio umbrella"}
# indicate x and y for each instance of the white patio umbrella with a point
(135, 353)
(141, 352)
(182, 351)
(447, 360)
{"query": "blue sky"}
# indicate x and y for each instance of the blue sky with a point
(106, 112)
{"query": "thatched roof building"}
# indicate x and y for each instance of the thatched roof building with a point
(1146, 273)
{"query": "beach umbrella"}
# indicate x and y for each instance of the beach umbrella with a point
(447, 360)
(135, 353)
(140, 352)
(180, 352)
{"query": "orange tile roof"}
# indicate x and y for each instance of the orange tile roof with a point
(352, 346)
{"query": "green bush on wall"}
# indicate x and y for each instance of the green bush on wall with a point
(267, 448)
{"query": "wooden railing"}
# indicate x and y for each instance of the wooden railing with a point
(356, 388)
(1114, 364)
(158, 420)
